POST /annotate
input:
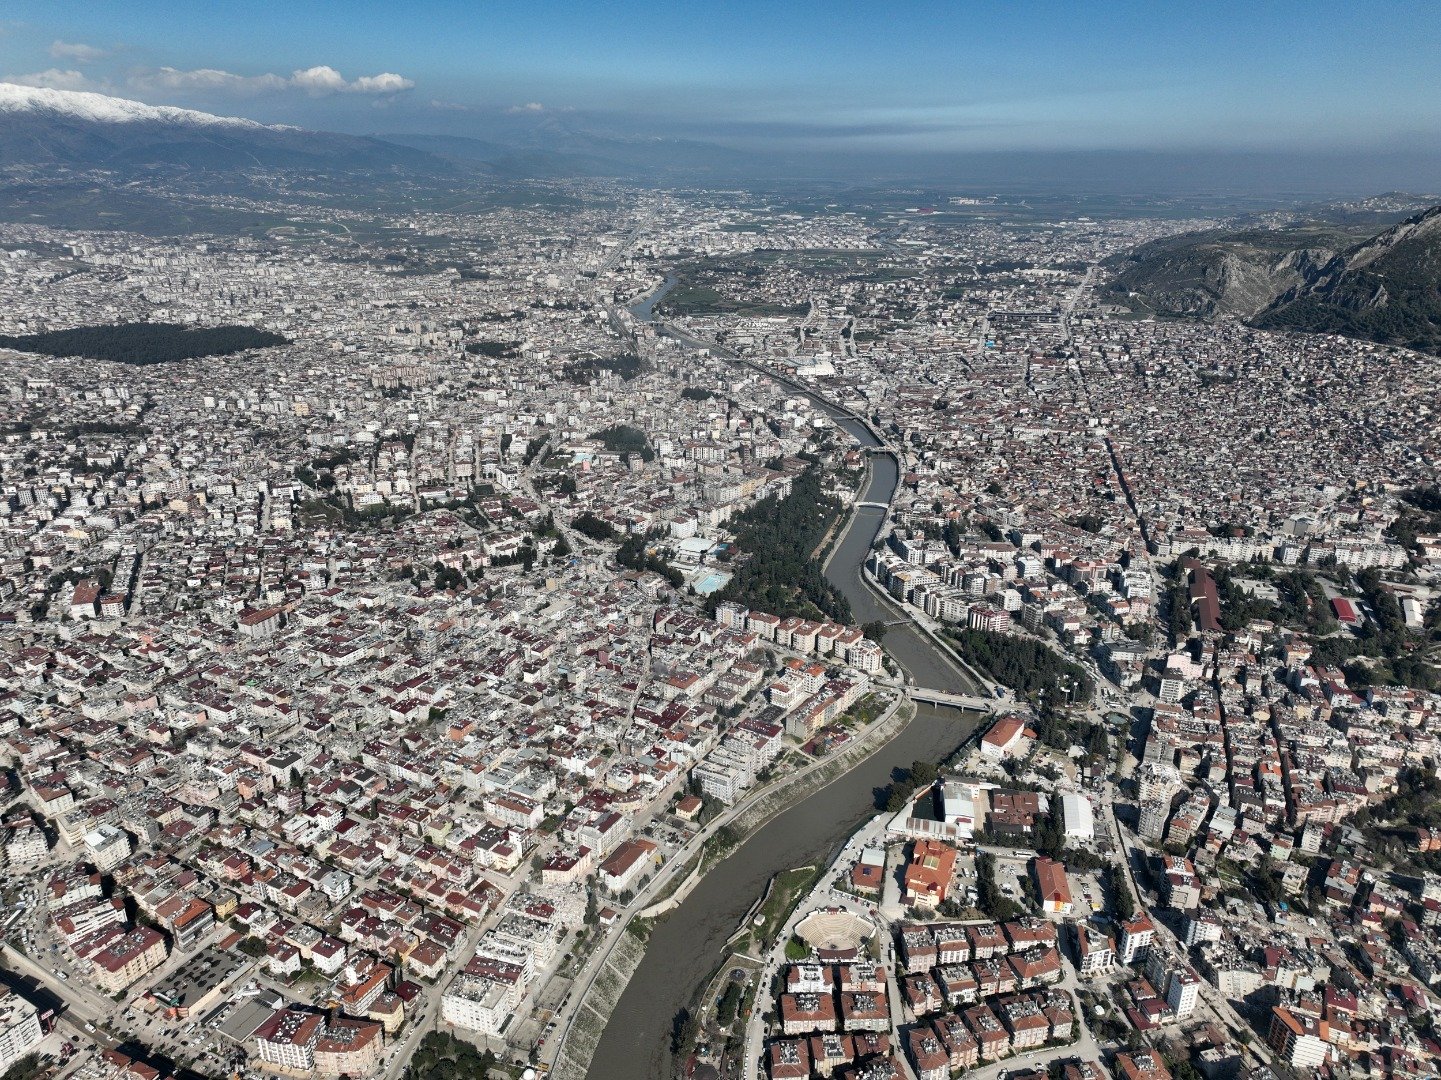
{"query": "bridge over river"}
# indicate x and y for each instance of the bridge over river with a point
(957, 701)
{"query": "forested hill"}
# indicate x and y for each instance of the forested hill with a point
(144, 343)
(1387, 289)
(1319, 277)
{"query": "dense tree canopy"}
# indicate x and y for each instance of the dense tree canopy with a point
(144, 343)
(625, 439)
(634, 554)
(1028, 667)
(441, 1056)
(626, 365)
(777, 536)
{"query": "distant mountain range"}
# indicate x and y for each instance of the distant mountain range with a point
(86, 130)
(1314, 276)
(1331, 271)
(40, 126)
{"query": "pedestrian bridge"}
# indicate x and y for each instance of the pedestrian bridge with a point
(959, 701)
(875, 505)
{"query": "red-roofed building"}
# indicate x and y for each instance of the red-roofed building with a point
(929, 873)
(1004, 738)
(1055, 890)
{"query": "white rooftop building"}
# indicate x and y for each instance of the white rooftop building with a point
(1077, 816)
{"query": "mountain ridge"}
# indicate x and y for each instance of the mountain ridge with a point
(107, 109)
(42, 126)
(1319, 277)
(1385, 289)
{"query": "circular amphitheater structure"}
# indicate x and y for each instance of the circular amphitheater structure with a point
(834, 930)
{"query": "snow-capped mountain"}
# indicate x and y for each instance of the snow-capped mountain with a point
(68, 127)
(103, 109)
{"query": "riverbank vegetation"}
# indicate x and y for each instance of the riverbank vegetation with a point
(785, 892)
(1028, 667)
(899, 793)
(776, 573)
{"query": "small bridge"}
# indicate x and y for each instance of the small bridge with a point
(874, 505)
(959, 701)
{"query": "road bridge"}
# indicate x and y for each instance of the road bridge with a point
(875, 505)
(959, 701)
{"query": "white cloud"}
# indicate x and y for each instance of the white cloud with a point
(56, 79)
(319, 81)
(169, 78)
(387, 82)
(528, 107)
(76, 52)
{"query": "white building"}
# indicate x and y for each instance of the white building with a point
(1076, 814)
(1298, 1039)
(287, 1040)
(20, 1030)
(25, 845)
(958, 806)
(107, 846)
(1182, 993)
(483, 1002)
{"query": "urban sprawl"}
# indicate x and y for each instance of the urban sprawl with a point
(376, 690)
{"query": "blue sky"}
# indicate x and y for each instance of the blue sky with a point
(837, 75)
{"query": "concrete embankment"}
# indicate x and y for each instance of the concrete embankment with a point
(583, 1036)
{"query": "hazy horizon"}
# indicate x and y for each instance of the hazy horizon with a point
(1329, 96)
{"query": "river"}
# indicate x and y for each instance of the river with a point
(685, 945)
(644, 308)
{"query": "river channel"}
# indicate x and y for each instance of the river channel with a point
(685, 945)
